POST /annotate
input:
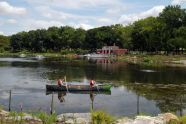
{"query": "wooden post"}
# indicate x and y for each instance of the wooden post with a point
(138, 105)
(52, 104)
(65, 79)
(181, 105)
(66, 83)
(92, 100)
(10, 99)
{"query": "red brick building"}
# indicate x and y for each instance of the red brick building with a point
(113, 50)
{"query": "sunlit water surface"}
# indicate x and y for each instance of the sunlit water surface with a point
(136, 89)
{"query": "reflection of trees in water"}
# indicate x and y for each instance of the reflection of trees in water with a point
(112, 71)
(169, 98)
(102, 69)
(92, 94)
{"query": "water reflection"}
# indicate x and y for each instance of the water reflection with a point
(114, 71)
(136, 91)
(62, 94)
(106, 64)
(168, 98)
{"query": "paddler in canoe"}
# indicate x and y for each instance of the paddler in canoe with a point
(92, 83)
(62, 85)
(60, 82)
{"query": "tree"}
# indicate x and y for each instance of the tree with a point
(78, 39)
(4, 43)
(123, 35)
(146, 35)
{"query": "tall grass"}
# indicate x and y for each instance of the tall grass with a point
(16, 117)
(183, 119)
(101, 117)
(47, 119)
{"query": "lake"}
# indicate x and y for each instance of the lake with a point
(137, 89)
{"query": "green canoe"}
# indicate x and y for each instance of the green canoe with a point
(72, 87)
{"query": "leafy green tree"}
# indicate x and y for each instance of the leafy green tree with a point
(66, 34)
(4, 43)
(163, 33)
(146, 35)
(78, 39)
(123, 35)
(16, 42)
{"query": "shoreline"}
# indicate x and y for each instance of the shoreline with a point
(139, 59)
(87, 118)
(155, 60)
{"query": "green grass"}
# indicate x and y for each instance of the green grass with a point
(151, 60)
(47, 119)
(63, 52)
(14, 116)
(101, 117)
(183, 119)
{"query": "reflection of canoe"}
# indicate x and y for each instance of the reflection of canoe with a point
(70, 87)
(108, 92)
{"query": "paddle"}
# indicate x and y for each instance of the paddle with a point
(66, 84)
(96, 86)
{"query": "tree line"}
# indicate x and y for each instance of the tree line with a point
(167, 32)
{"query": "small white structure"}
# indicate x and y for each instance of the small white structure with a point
(94, 55)
(22, 55)
(39, 57)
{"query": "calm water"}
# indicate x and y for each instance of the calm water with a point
(136, 89)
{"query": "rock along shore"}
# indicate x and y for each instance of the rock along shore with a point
(85, 118)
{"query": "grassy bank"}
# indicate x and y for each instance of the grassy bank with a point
(96, 117)
(148, 60)
(64, 52)
(28, 54)
(153, 60)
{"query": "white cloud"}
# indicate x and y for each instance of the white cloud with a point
(66, 18)
(40, 24)
(84, 26)
(130, 18)
(6, 8)
(43, 24)
(74, 4)
(105, 21)
(11, 21)
(54, 14)
(1, 33)
(175, 2)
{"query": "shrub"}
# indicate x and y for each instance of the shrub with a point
(146, 59)
(47, 119)
(101, 117)
(183, 119)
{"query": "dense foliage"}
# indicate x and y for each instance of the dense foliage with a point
(4, 43)
(167, 32)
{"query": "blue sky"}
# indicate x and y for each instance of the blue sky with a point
(25, 15)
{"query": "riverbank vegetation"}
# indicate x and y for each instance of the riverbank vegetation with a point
(166, 33)
(96, 117)
(154, 60)
(101, 117)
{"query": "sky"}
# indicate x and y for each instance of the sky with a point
(25, 15)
